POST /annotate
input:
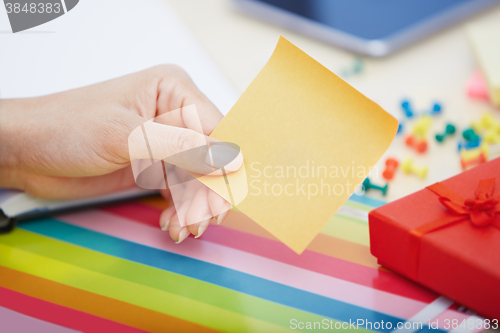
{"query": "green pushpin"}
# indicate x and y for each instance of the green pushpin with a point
(358, 65)
(368, 185)
(470, 135)
(450, 130)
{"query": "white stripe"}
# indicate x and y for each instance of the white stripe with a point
(434, 309)
(353, 212)
(64, 6)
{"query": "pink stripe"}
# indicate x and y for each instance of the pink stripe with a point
(249, 263)
(12, 321)
(309, 260)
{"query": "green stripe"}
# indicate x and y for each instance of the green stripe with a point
(358, 205)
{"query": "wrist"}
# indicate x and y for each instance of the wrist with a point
(10, 109)
(12, 113)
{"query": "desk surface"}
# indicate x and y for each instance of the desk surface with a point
(113, 270)
(436, 68)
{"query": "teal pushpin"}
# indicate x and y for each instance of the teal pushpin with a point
(358, 65)
(450, 130)
(368, 185)
(470, 136)
(356, 68)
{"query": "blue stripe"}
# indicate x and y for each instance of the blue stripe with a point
(197, 269)
(362, 199)
(204, 271)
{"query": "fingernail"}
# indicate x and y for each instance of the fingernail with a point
(165, 226)
(235, 164)
(203, 226)
(183, 235)
(221, 217)
(222, 155)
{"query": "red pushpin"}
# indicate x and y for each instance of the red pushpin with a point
(391, 165)
(419, 145)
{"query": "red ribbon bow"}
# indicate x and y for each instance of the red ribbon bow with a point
(480, 211)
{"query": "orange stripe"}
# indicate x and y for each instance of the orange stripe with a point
(330, 246)
(345, 250)
(95, 304)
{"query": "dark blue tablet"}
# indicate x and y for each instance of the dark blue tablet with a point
(372, 27)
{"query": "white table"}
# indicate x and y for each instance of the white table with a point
(436, 68)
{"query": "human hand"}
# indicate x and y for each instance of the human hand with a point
(75, 144)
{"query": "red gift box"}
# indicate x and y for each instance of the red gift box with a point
(447, 238)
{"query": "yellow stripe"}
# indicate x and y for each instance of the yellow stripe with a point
(348, 229)
(147, 297)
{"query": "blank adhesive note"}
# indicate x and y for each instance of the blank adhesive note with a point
(308, 139)
(484, 36)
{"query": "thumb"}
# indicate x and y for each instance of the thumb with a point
(184, 148)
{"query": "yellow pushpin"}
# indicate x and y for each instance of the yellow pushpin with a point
(422, 126)
(409, 167)
(469, 154)
(492, 136)
(487, 122)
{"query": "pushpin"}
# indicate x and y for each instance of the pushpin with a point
(469, 145)
(356, 68)
(436, 110)
(487, 122)
(475, 152)
(449, 130)
(367, 185)
(480, 159)
(419, 145)
(409, 167)
(405, 105)
(470, 135)
(358, 64)
(391, 165)
(422, 126)
(400, 128)
(492, 136)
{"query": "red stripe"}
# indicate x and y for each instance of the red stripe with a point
(144, 214)
(267, 248)
(58, 314)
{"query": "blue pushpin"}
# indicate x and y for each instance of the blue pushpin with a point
(469, 144)
(405, 105)
(436, 110)
(400, 128)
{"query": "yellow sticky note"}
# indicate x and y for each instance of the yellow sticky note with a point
(485, 38)
(308, 140)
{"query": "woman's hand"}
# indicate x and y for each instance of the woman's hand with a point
(74, 144)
